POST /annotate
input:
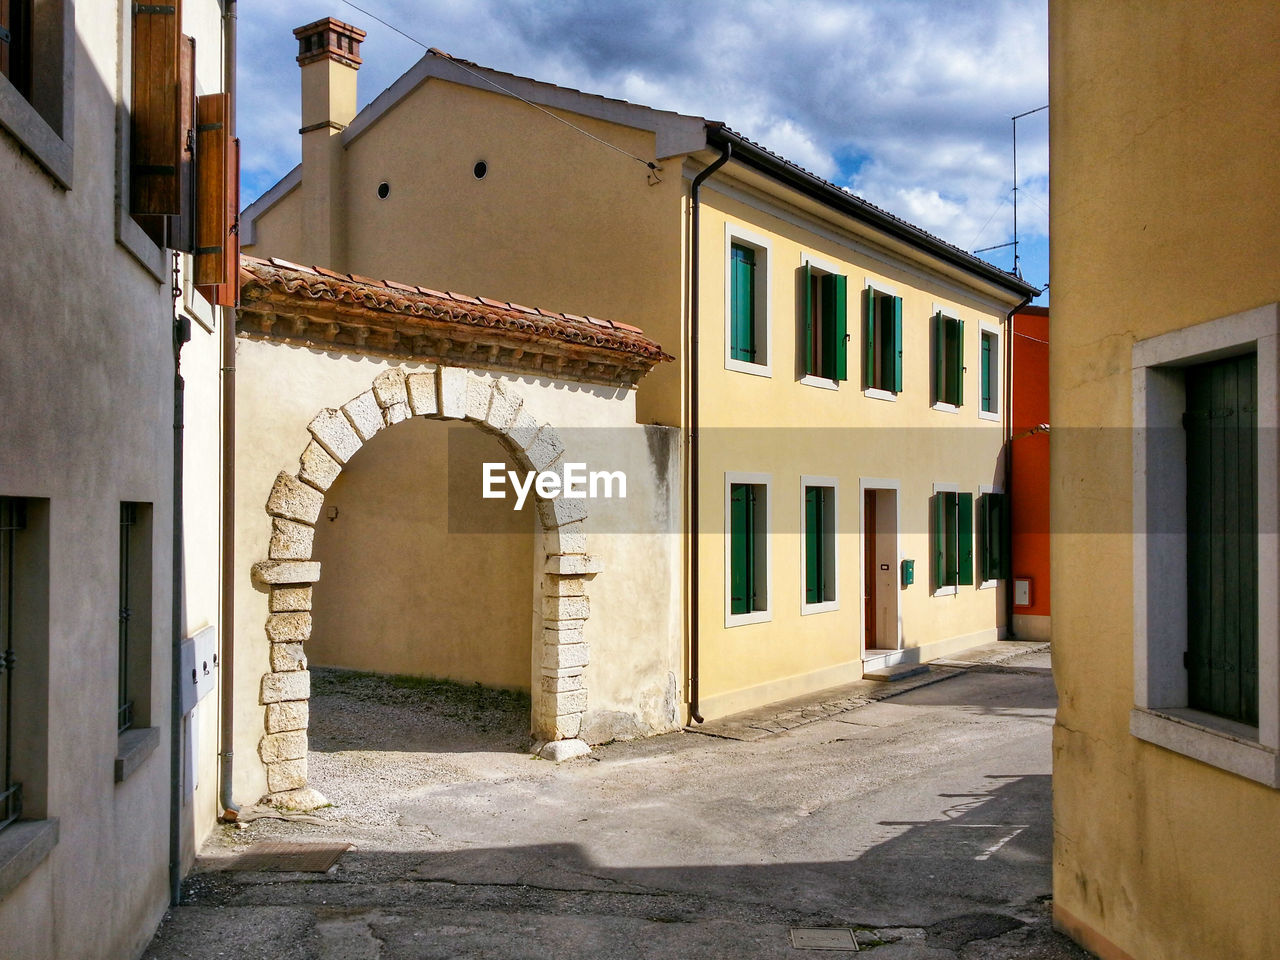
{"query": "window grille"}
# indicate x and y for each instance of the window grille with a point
(124, 711)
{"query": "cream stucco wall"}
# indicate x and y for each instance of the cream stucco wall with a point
(86, 385)
(779, 426)
(633, 627)
(1164, 122)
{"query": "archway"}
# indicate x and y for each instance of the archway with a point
(558, 690)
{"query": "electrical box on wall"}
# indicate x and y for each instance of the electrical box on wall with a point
(908, 572)
(1022, 592)
(199, 667)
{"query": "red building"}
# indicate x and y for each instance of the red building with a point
(1029, 415)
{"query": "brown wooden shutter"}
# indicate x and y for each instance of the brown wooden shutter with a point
(227, 293)
(213, 225)
(182, 227)
(155, 146)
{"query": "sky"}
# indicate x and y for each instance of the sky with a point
(906, 103)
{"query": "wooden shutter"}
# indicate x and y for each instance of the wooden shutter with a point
(896, 347)
(156, 139)
(985, 376)
(957, 363)
(227, 293)
(940, 553)
(835, 326)
(181, 228)
(964, 538)
(1222, 538)
(810, 341)
(740, 534)
(742, 303)
(212, 224)
(813, 545)
(870, 366)
(939, 358)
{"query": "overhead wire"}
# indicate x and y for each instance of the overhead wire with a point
(650, 165)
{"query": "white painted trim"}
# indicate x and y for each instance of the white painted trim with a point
(756, 616)
(825, 606)
(879, 286)
(825, 383)
(1160, 713)
(985, 327)
(945, 407)
(865, 484)
(763, 246)
(818, 263)
(875, 393)
(984, 488)
(952, 589)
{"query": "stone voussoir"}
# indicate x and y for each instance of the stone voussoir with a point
(317, 468)
(396, 413)
(503, 408)
(389, 388)
(365, 415)
(290, 540)
(291, 499)
(333, 431)
(451, 392)
(423, 399)
(479, 395)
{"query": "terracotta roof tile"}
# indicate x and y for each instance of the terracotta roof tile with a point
(400, 286)
(369, 280)
(462, 297)
(628, 327)
(521, 307)
(326, 272)
(290, 265)
(493, 303)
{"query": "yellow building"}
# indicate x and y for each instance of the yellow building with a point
(1164, 364)
(839, 371)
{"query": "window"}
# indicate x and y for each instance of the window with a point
(746, 300)
(1205, 611)
(993, 537)
(824, 316)
(989, 380)
(747, 548)
(37, 57)
(952, 539)
(134, 630)
(819, 544)
(13, 520)
(948, 360)
(882, 355)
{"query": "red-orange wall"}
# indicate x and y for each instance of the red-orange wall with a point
(1030, 407)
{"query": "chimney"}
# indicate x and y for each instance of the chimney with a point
(329, 56)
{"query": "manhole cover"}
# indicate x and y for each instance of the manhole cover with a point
(290, 857)
(823, 938)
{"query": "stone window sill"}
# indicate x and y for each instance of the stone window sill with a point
(133, 747)
(1219, 743)
(24, 845)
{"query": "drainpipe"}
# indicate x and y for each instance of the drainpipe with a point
(226, 617)
(181, 334)
(694, 571)
(1009, 633)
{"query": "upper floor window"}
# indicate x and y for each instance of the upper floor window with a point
(37, 59)
(746, 301)
(15, 44)
(824, 316)
(948, 360)
(882, 335)
(989, 378)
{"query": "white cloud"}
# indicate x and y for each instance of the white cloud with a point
(906, 102)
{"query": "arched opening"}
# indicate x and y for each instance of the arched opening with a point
(556, 573)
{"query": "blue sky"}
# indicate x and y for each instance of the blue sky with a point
(905, 102)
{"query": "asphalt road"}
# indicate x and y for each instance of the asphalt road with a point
(921, 824)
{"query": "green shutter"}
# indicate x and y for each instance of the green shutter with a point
(869, 369)
(896, 347)
(813, 545)
(835, 326)
(985, 381)
(739, 549)
(939, 358)
(964, 538)
(984, 537)
(742, 303)
(806, 277)
(940, 575)
(957, 368)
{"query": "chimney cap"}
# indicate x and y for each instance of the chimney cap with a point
(329, 39)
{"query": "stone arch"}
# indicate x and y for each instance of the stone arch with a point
(558, 693)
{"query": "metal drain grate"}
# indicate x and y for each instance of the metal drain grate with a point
(823, 938)
(290, 857)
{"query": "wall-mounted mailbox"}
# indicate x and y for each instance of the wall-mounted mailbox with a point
(908, 572)
(1022, 592)
(199, 667)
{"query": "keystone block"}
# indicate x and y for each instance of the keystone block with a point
(421, 388)
(451, 392)
(389, 387)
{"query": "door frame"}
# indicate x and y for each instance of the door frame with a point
(865, 484)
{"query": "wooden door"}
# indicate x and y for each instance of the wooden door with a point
(869, 520)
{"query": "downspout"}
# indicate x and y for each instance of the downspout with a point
(181, 334)
(694, 570)
(1009, 632)
(226, 663)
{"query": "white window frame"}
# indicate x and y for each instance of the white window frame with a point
(986, 328)
(951, 589)
(732, 619)
(865, 484)
(824, 606)
(809, 379)
(763, 246)
(877, 393)
(983, 488)
(1160, 714)
(954, 314)
(45, 125)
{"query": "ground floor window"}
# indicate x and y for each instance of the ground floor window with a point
(952, 539)
(748, 548)
(819, 543)
(993, 537)
(13, 521)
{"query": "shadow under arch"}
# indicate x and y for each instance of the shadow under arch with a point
(558, 689)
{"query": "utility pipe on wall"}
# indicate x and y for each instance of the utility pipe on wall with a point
(694, 493)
